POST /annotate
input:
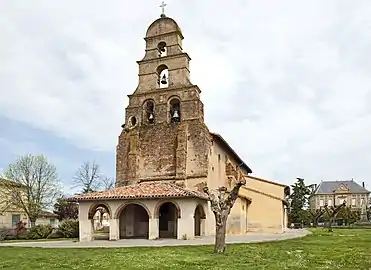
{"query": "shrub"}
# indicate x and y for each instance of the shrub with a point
(54, 235)
(69, 229)
(20, 231)
(4, 233)
(40, 231)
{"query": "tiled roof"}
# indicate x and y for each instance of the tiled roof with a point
(328, 187)
(47, 214)
(144, 190)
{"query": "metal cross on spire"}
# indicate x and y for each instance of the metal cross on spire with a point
(162, 6)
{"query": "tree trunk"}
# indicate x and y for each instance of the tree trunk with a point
(33, 223)
(221, 227)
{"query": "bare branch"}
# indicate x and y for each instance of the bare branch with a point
(108, 183)
(88, 177)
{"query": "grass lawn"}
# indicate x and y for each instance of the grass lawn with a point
(342, 249)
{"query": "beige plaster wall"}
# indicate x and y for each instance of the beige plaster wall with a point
(265, 214)
(6, 220)
(185, 224)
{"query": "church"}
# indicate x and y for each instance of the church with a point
(166, 154)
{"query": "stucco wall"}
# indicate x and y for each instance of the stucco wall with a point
(185, 223)
(265, 214)
(6, 220)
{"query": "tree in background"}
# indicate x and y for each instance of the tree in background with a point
(88, 177)
(316, 214)
(299, 201)
(332, 212)
(34, 185)
(65, 209)
(108, 183)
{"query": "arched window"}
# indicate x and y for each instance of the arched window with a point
(162, 49)
(149, 111)
(174, 110)
(163, 76)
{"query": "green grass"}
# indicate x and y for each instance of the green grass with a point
(342, 249)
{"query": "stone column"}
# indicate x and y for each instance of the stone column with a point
(114, 229)
(186, 227)
(86, 230)
(153, 225)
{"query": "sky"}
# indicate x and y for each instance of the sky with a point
(287, 83)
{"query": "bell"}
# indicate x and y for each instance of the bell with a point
(151, 118)
(163, 79)
(175, 116)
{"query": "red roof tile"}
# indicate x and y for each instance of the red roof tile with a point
(144, 190)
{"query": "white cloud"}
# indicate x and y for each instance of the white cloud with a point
(286, 82)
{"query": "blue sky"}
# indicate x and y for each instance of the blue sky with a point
(287, 83)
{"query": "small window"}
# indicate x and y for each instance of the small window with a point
(353, 202)
(321, 202)
(329, 202)
(52, 221)
(15, 220)
(133, 121)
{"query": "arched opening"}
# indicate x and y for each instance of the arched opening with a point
(133, 121)
(163, 76)
(168, 220)
(162, 49)
(174, 110)
(134, 222)
(100, 216)
(149, 111)
(199, 217)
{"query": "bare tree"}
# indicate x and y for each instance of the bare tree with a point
(88, 177)
(316, 214)
(221, 206)
(32, 185)
(332, 213)
(108, 183)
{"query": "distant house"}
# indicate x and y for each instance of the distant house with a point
(10, 215)
(335, 193)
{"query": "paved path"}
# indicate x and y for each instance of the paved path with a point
(207, 240)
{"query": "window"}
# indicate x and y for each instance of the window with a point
(362, 201)
(52, 221)
(15, 220)
(341, 200)
(329, 202)
(354, 202)
(321, 202)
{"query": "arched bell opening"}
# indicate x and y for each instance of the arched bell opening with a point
(163, 76)
(199, 221)
(162, 49)
(174, 110)
(100, 214)
(149, 111)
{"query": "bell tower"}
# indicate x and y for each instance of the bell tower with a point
(164, 136)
